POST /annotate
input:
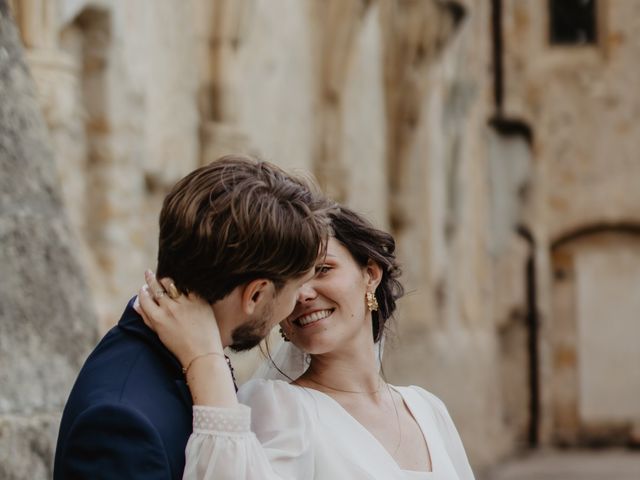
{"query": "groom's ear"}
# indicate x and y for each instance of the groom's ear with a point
(254, 293)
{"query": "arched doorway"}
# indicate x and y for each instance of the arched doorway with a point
(595, 336)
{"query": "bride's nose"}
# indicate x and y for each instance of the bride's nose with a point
(306, 293)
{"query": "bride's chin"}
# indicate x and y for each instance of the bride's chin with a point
(317, 348)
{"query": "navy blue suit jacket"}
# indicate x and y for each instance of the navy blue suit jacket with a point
(129, 413)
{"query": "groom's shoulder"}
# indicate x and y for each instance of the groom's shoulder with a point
(114, 360)
(126, 362)
(129, 393)
(128, 381)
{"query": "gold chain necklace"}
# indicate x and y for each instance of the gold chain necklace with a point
(370, 393)
(348, 391)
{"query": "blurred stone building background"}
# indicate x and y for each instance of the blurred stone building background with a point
(497, 139)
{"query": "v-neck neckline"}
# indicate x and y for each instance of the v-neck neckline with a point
(426, 432)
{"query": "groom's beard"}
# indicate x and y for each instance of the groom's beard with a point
(251, 333)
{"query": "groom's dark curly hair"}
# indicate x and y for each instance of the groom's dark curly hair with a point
(236, 220)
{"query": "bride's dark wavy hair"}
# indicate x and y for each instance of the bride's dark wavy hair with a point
(365, 242)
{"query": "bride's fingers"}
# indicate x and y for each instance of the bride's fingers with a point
(151, 311)
(156, 289)
(172, 291)
(136, 305)
(138, 308)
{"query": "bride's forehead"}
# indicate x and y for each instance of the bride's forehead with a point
(335, 248)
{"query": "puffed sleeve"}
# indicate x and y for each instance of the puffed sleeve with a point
(449, 434)
(266, 438)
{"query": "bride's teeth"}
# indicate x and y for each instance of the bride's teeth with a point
(314, 317)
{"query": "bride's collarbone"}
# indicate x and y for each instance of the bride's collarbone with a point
(394, 427)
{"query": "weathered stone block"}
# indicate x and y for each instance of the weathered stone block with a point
(27, 445)
(47, 323)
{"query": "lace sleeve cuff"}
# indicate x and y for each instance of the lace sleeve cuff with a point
(217, 420)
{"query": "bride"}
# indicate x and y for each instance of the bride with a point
(330, 415)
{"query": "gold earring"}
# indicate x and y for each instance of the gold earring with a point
(372, 302)
(284, 335)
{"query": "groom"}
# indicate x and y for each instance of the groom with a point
(239, 233)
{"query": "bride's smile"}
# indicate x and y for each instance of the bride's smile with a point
(313, 317)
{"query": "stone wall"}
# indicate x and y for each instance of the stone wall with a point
(579, 100)
(568, 93)
(120, 99)
(385, 102)
(47, 320)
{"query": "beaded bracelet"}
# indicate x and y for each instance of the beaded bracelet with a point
(233, 376)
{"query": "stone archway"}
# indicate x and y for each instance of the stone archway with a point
(595, 349)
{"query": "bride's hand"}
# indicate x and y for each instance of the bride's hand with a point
(185, 324)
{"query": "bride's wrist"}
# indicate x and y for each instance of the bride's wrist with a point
(186, 365)
(208, 371)
(210, 382)
(190, 350)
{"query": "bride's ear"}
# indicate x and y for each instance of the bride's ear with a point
(373, 275)
(254, 293)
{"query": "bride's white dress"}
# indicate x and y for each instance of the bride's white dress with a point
(288, 432)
